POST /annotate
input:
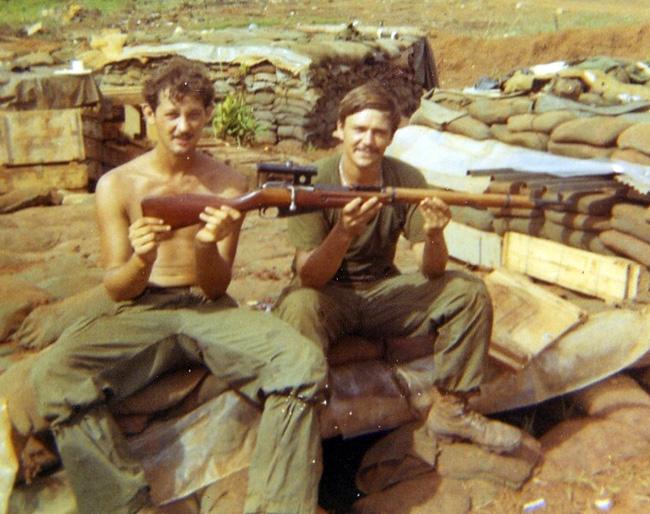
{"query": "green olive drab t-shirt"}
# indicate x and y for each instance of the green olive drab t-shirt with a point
(371, 255)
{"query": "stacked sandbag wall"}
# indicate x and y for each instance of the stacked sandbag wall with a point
(522, 121)
(297, 106)
(598, 214)
(598, 108)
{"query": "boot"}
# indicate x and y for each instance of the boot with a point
(449, 416)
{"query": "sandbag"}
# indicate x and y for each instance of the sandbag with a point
(403, 454)
(528, 139)
(631, 155)
(614, 393)
(44, 324)
(521, 122)
(416, 496)
(498, 111)
(183, 455)
(162, 394)
(364, 397)
(531, 227)
(19, 297)
(627, 245)
(416, 380)
(132, 424)
(434, 115)
(638, 229)
(596, 131)
(470, 127)
(515, 212)
(464, 461)
(579, 221)
(23, 198)
(636, 137)
(547, 121)
(579, 150)
(480, 219)
(409, 452)
(597, 204)
(454, 100)
(576, 238)
(632, 211)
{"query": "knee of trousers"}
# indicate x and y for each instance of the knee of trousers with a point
(300, 305)
(60, 391)
(471, 292)
(301, 372)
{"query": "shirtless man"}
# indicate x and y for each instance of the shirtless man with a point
(171, 310)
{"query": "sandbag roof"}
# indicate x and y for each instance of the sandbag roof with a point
(291, 50)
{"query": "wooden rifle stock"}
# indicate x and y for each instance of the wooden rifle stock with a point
(183, 210)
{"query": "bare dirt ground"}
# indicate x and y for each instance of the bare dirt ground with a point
(470, 39)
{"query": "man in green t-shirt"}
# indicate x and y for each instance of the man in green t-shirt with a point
(346, 282)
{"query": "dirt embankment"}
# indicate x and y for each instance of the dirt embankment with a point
(462, 60)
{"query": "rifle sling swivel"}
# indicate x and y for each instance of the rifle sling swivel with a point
(292, 205)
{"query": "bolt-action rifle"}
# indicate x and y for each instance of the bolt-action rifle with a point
(287, 188)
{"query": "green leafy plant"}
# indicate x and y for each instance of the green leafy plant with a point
(233, 119)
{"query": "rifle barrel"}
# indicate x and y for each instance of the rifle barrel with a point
(466, 199)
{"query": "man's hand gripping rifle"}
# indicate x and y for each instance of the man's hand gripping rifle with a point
(287, 188)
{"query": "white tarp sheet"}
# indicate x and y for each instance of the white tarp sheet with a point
(446, 158)
(245, 54)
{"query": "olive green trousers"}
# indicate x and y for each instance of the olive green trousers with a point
(107, 359)
(455, 307)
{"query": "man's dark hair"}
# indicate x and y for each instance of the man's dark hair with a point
(181, 77)
(371, 95)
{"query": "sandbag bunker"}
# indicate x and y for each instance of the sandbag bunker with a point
(292, 80)
(595, 110)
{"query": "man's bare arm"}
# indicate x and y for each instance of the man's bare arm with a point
(317, 267)
(128, 251)
(432, 255)
(215, 248)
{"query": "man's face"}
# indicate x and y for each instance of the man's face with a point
(366, 135)
(179, 122)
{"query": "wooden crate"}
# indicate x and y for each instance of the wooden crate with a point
(473, 246)
(610, 278)
(71, 175)
(527, 318)
(60, 148)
